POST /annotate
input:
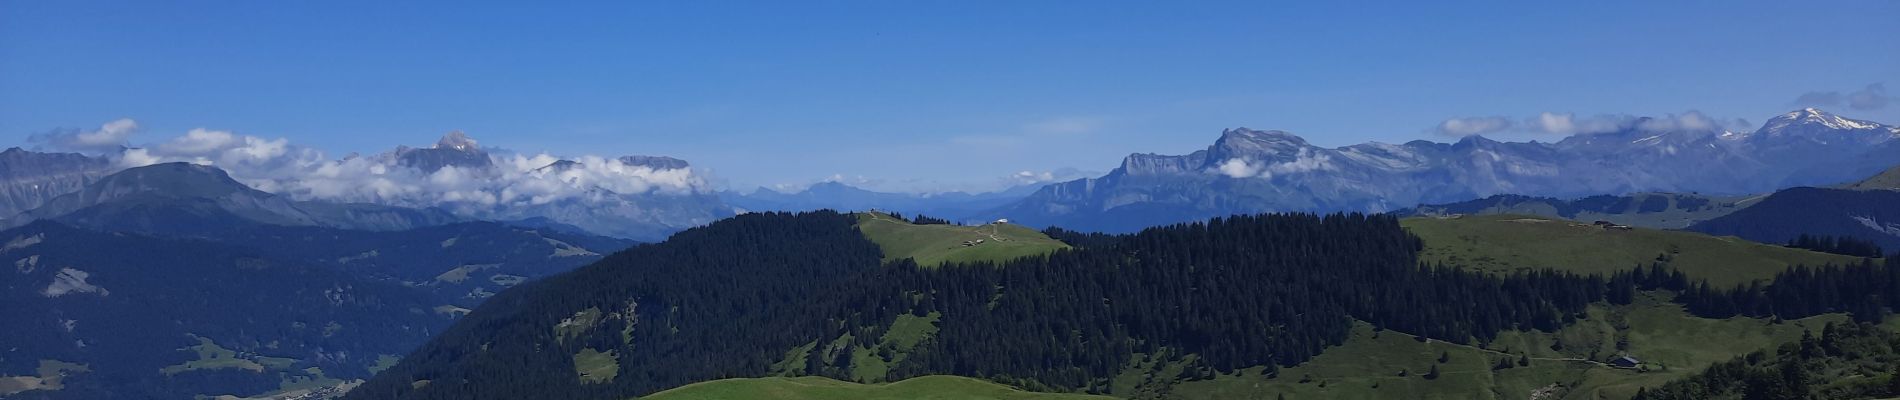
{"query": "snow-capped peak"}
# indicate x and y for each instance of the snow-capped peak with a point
(456, 140)
(1813, 115)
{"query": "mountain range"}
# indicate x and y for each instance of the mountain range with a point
(840, 196)
(187, 199)
(1248, 171)
(177, 281)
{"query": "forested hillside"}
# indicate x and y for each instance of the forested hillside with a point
(804, 294)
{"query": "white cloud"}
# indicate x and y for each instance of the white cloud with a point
(1688, 121)
(1304, 162)
(1064, 126)
(1565, 124)
(198, 141)
(1871, 97)
(109, 137)
(1238, 168)
(1473, 126)
(279, 166)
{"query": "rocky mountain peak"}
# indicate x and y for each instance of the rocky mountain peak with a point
(1248, 143)
(455, 149)
(458, 141)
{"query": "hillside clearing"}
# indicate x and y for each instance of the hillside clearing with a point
(933, 245)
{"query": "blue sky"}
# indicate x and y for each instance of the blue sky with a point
(912, 95)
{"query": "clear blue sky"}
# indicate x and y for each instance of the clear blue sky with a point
(910, 93)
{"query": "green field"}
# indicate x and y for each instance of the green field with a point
(1507, 243)
(932, 245)
(213, 356)
(593, 366)
(818, 388)
(1671, 343)
(47, 377)
(868, 364)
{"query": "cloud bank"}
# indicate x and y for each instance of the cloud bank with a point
(1872, 97)
(1305, 161)
(110, 136)
(1565, 124)
(281, 167)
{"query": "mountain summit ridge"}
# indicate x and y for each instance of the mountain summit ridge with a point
(1250, 171)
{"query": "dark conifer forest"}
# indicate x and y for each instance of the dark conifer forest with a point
(1844, 245)
(731, 299)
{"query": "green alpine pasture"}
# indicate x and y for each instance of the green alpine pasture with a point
(1509, 243)
(937, 387)
(1567, 364)
(932, 245)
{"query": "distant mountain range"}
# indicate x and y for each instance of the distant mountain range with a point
(605, 205)
(455, 179)
(189, 199)
(1250, 171)
(839, 196)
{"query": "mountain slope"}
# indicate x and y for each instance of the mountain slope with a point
(460, 264)
(1885, 180)
(1872, 215)
(1249, 171)
(28, 179)
(135, 314)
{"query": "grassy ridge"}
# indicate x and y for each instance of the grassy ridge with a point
(932, 245)
(818, 388)
(1506, 243)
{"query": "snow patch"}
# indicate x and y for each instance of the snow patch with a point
(21, 242)
(70, 281)
(562, 249)
(28, 264)
(1889, 228)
